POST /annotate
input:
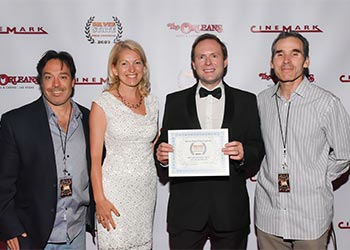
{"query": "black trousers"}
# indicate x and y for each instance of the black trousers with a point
(191, 239)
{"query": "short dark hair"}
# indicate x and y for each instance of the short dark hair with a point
(283, 35)
(63, 56)
(286, 34)
(205, 37)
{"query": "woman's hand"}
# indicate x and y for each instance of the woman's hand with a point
(104, 210)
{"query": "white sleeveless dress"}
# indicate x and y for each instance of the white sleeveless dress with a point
(128, 173)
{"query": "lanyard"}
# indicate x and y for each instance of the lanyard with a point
(64, 143)
(284, 137)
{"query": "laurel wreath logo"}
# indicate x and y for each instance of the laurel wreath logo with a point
(119, 29)
(87, 30)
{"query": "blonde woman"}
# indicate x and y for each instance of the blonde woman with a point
(124, 118)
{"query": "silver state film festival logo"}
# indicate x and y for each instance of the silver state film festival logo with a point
(103, 32)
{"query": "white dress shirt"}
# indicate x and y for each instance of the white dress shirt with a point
(210, 110)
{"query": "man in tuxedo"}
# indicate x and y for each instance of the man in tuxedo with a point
(214, 208)
(45, 200)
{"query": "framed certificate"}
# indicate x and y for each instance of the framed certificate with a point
(198, 152)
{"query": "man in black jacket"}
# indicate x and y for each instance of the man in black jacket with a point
(44, 165)
(211, 207)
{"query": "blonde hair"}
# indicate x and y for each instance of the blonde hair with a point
(113, 80)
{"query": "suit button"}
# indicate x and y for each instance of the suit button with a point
(54, 185)
(52, 210)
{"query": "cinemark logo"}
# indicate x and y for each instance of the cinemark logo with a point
(22, 30)
(285, 28)
(90, 81)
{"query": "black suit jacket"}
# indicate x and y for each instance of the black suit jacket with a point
(224, 201)
(28, 176)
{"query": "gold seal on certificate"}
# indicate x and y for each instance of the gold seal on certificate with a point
(198, 152)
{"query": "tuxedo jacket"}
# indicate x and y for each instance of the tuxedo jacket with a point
(28, 175)
(221, 201)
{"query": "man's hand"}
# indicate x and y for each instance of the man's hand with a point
(13, 243)
(235, 150)
(163, 152)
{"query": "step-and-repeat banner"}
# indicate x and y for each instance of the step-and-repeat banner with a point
(166, 30)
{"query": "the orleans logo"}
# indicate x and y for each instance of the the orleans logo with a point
(103, 32)
(344, 78)
(187, 27)
(14, 80)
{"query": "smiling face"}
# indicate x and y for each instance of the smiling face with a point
(129, 68)
(289, 60)
(209, 62)
(57, 83)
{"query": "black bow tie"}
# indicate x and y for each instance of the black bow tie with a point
(215, 93)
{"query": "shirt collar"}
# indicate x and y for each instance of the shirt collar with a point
(76, 111)
(200, 85)
(300, 91)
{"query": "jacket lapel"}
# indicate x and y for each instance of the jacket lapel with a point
(85, 122)
(44, 137)
(192, 108)
(229, 107)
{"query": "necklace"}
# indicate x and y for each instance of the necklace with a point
(130, 105)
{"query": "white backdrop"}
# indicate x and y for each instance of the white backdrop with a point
(166, 29)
